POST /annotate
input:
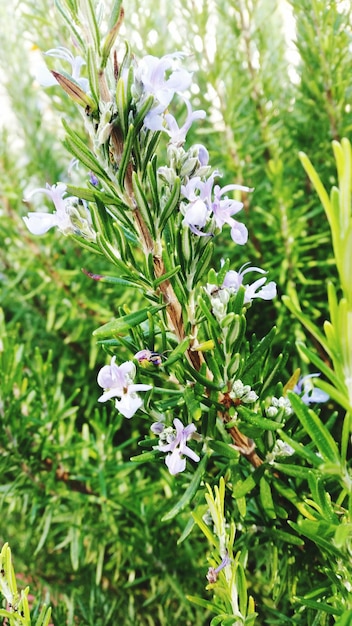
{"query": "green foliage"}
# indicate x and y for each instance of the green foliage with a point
(97, 525)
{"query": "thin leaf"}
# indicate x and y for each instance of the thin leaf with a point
(153, 184)
(319, 187)
(142, 203)
(259, 351)
(44, 616)
(93, 75)
(79, 149)
(320, 364)
(206, 604)
(315, 429)
(176, 354)
(166, 276)
(126, 156)
(170, 205)
(307, 323)
(124, 323)
(318, 606)
(257, 420)
(115, 21)
(241, 488)
(345, 619)
(75, 91)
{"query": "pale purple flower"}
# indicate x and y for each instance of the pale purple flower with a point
(157, 428)
(196, 217)
(223, 209)
(233, 281)
(174, 441)
(219, 207)
(39, 222)
(159, 77)
(311, 394)
(192, 190)
(117, 382)
(178, 134)
(46, 78)
(203, 154)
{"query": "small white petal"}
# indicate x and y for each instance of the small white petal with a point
(40, 223)
(196, 214)
(239, 233)
(175, 463)
(129, 404)
(109, 394)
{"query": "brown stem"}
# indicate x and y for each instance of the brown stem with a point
(242, 443)
(245, 446)
(174, 309)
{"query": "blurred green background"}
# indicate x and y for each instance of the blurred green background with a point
(83, 523)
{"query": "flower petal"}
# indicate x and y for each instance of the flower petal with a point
(129, 404)
(40, 223)
(175, 463)
(239, 233)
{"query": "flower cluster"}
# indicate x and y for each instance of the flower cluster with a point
(280, 449)
(160, 78)
(304, 388)
(242, 392)
(278, 405)
(149, 86)
(203, 201)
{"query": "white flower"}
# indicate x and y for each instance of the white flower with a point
(174, 441)
(39, 222)
(45, 77)
(196, 216)
(280, 449)
(117, 381)
(278, 404)
(160, 77)
(233, 281)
